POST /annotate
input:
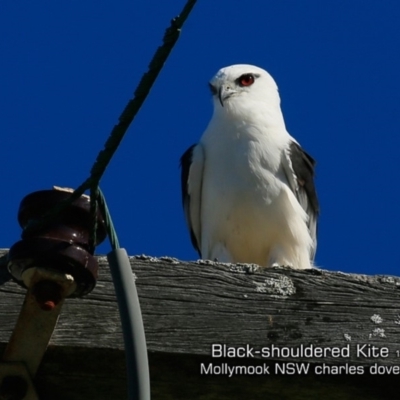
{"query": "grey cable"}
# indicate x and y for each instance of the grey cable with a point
(132, 325)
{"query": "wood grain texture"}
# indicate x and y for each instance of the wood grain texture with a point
(187, 307)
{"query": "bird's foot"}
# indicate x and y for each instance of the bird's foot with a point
(276, 265)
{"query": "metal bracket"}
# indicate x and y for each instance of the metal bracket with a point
(47, 290)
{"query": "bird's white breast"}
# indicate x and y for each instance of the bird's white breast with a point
(245, 198)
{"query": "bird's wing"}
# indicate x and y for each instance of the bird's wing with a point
(299, 170)
(192, 163)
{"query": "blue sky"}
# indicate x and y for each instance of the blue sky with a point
(69, 67)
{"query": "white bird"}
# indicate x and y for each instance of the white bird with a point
(247, 186)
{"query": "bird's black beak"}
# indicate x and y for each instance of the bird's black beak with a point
(220, 92)
(216, 92)
(224, 92)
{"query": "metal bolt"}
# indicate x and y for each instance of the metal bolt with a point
(48, 294)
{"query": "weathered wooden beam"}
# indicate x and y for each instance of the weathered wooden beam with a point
(188, 307)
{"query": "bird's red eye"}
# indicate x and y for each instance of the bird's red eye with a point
(246, 80)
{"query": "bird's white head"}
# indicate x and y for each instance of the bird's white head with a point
(242, 86)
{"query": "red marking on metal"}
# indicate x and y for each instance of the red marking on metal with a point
(47, 305)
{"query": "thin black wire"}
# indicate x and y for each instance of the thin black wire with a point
(104, 157)
(111, 232)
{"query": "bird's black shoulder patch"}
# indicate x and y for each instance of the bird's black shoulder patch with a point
(185, 163)
(303, 166)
